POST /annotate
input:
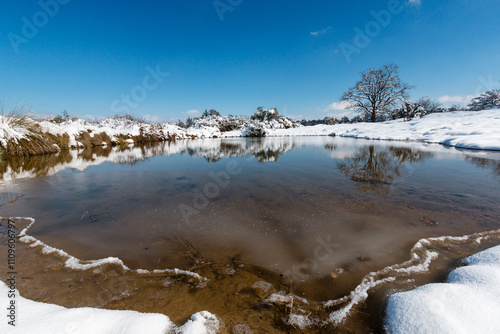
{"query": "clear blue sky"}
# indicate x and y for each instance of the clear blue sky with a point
(86, 56)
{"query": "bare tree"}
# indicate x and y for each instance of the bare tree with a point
(378, 91)
(429, 105)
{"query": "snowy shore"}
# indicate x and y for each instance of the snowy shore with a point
(34, 317)
(461, 129)
(468, 303)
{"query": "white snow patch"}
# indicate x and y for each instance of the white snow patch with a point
(43, 318)
(468, 303)
(463, 129)
(201, 323)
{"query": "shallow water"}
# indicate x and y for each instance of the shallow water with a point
(312, 216)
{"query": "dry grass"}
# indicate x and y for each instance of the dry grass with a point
(97, 139)
(18, 116)
(33, 145)
(36, 142)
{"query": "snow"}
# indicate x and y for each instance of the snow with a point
(201, 323)
(11, 131)
(46, 318)
(462, 129)
(419, 262)
(42, 318)
(468, 303)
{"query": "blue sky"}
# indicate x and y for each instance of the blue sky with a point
(100, 57)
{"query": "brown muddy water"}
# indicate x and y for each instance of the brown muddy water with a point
(285, 233)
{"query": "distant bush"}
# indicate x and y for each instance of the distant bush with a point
(130, 118)
(63, 117)
(211, 112)
(266, 114)
(488, 100)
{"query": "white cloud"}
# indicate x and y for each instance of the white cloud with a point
(414, 2)
(342, 105)
(320, 32)
(192, 112)
(462, 99)
(338, 114)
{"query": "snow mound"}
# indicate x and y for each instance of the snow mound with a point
(462, 129)
(42, 318)
(468, 303)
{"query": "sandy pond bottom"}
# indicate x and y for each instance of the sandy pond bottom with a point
(276, 227)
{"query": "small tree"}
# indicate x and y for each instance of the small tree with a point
(485, 101)
(63, 117)
(189, 122)
(428, 105)
(211, 112)
(330, 120)
(455, 107)
(266, 114)
(378, 91)
(181, 124)
(411, 110)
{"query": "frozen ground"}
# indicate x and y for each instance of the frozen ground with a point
(41, 318)
(468, 303)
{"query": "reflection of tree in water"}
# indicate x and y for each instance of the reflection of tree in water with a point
(375, 170)
(261, 150)
(268, 155)
(331, 147)
(484, 163)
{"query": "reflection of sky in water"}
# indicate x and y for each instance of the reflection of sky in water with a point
(367, 196)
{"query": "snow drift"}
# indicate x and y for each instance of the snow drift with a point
(468, 303)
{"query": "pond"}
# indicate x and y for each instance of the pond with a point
(286, 233)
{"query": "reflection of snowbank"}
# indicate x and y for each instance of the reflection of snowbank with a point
(264, 149)
(42, 318)
(468, 303)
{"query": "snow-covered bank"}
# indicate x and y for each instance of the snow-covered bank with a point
(35, 317)
(462, 129)
(468, 303)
